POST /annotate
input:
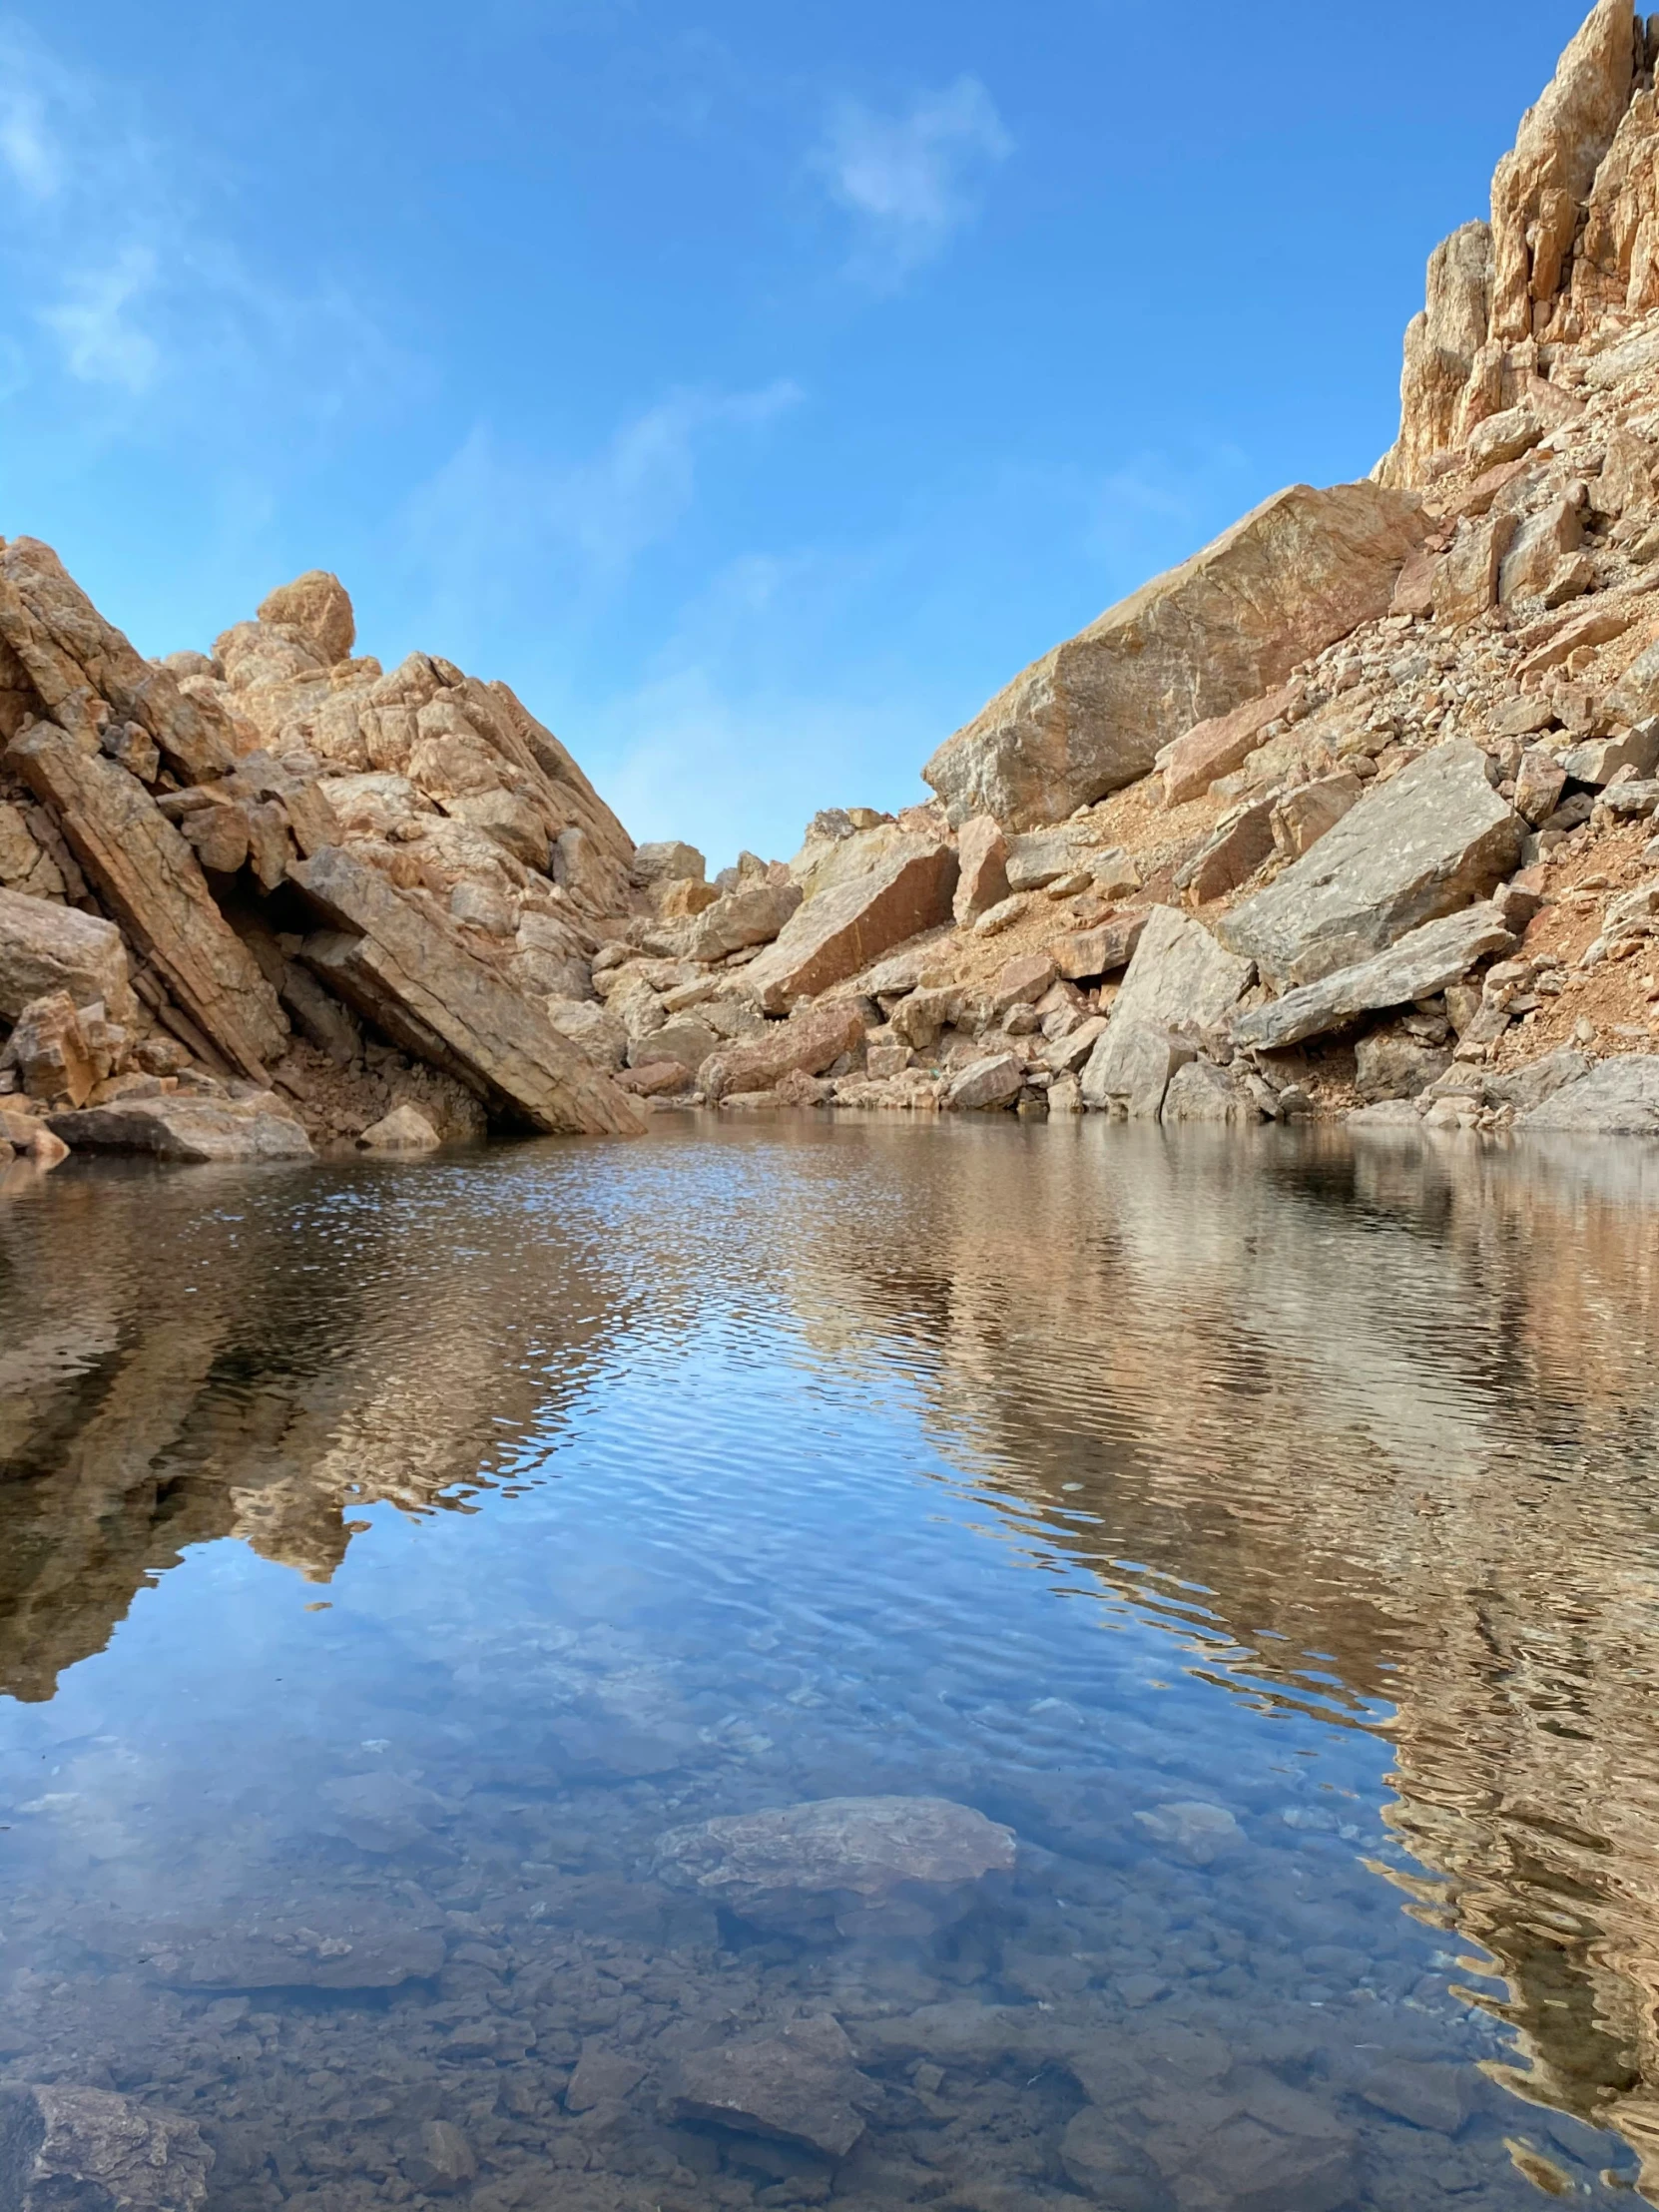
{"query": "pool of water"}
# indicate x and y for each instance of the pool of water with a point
(1263, 1528)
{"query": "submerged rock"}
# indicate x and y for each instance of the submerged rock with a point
(799, 2085)
(178, 1126)
(89, 2150)
(860, 1863)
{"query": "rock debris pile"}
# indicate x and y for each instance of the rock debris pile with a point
(1350, 812)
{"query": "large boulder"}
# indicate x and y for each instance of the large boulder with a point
(1179, 983)
(46, 948)
(1422, 963)
(1301, 570)
(810, 1041)
(1619, 1098)
(863, 1864)
(317, 610)
(849, 924)
(178, 1126)
(1427, 842)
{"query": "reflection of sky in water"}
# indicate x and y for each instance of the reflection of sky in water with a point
(807, 1477)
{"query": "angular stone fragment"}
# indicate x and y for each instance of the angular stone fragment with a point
(796, 2086)
(1618, 1098)
(404, 1129)
(850, 925)
(1635, 695)
(1180, 975)
(1106, 2162)
(73, 656)
(1303, 815)
(1025, 977)
(753, 913)
(1540, 546)
(600, 1033)
(809, 1040)
(149, 875)
(690, 1042)
(362, 1949)
(602, 2078)
(64, 2149)
(45, 947)
(217, 835)
(1131, 1068)
(1044, 856)
(415, 976)
(1420, 845)
(442, 2161)
(50, 1052)
(1200, 1091)
(1540, 781)
(1304, 568)
(1217, 746)
(1241, 842)
(850, 1861)
(1110, 945)
(917, 1019)
(180, 1127)
(670, 862)
(1417, 965)
(1524, 1088)
(982, 854)
(1466, 577)
(985, 1085)
(1393, 1066)
(1601, 760)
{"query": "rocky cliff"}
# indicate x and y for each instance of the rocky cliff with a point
(1350, 813)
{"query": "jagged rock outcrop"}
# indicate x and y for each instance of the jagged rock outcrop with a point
(1091, 715)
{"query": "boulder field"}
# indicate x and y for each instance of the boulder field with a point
(1352, 813)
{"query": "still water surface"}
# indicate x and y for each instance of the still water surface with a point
(1265, 1528)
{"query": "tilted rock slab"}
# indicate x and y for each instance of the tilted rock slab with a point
(1179, 980)
(850, 925)
(45, 947)
(1422, 963)
(810, 1041)
(94, 2151)
(148, 875)
(1301, 570)
(840, 1859)
(416, 978)
(1429, 841)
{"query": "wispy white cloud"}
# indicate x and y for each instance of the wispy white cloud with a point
(118, 285)
(496, 521)
(911, 180)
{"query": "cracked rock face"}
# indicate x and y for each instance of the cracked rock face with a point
(799, 2085)
(863, 1864)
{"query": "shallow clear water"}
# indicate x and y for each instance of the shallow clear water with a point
(390, 1554)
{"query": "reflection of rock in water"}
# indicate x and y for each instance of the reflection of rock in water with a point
(1250, 1376)
(251, 1357)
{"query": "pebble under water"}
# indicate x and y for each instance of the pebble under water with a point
(1263, 1526)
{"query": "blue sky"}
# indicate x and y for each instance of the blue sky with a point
(755, 389)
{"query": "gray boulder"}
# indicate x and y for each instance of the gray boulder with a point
(1419, 964)
(1524, 1088)
(1619, 1098)
(1131, 1068)
(1427, 842)
(861, 1864)
(1200, 1091)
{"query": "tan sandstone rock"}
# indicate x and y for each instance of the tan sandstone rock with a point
(318, 607)
(982, 857)
(1302, 569)
(810, 1041)
(831, 938)
(46, 948)
(404, 1129)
